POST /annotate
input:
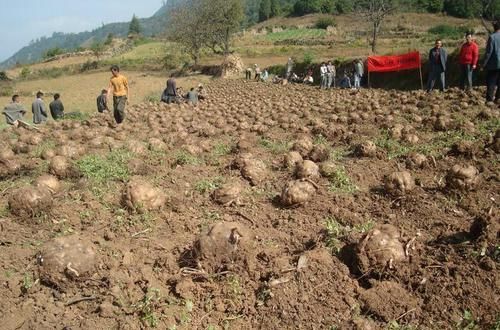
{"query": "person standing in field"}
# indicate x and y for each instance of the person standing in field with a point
(359, 71)
(102, 101)
(38, 109)
(289, 68)
(257, 72)
(332, 72)
(14, 111)
(469, 55)
(248, 74)
(492, 65)
(121, 93)
(437, 66)
(56, 107)
(170, 93)
(323, 70)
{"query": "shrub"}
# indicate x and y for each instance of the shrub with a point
(448, 31)
(308, 58)
(53, 52)
(325, 22)
(6, 89)
(3, 76)
(25, 72)
(89, 65)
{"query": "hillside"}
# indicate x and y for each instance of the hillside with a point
(34, 52)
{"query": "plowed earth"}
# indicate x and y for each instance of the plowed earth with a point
(202, 218)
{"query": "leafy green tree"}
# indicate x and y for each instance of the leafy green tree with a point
(463, 8)
(344, 6)
(109, 39)
(134, 26)
(434, 6)
(275, 8)
(222, 19)
(264, 10)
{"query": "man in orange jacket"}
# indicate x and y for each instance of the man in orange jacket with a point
(469, 55)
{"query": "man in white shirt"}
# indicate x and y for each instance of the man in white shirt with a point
(331, 74)
(324, 75)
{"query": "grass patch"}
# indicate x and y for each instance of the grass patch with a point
(449, 31)
(439, 141)
(148, 307)
(275, 147)
(183, 157)
(42, 147)
(204, 186)
(338, 154)
(101, 169)
(394, 148)
(336, 231)
(295, 34)
(77, 115)
(340, 182)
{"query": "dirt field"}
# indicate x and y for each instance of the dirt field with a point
(265, 207)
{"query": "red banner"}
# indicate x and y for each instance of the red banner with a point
(394, 63)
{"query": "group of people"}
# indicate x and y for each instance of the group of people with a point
(173, 94)
(15, 111)
(118, 88)
(259, 75)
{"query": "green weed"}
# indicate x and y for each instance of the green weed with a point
(338, 154)
(43, 146)
(340, 182)
(221, 149)
(184, 158)
(320, 139)
(147, 307)
(275, 147)
(394, 148)
(394, 325)
(205, 185)
(100, 169)
(336, 231)
(468, 322)
(27, 283)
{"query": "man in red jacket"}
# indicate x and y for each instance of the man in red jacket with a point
(469, 55)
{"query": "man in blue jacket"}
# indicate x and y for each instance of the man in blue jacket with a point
(492, 65)
(437, 66)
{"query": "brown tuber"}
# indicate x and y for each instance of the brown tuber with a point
(306, 169)
(66, 259)
(30, 201)
(297, 192)
(224, 246)
(399, 183)
(141, 196)
(462, 177)
(381, 248)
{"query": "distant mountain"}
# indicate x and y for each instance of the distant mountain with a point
(153, 25)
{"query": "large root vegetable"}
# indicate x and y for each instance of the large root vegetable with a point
(225, 246)
(228, 194)
(61, 167)
(9, 167)
(381, 248)
(49, 182)
(306, 169)
(254, 170)
(319, 153)
(30, 201)
(462, 177)
(303, 145)
(65, 260)
(297, 192)
(366, 149)
(399, 183)
(141, 196)
(291, 159)
(416, 160)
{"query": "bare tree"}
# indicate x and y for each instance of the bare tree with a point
(375, 11)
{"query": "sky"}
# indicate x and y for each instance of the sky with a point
(24, 20)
